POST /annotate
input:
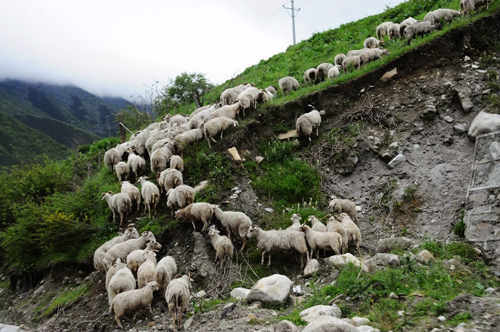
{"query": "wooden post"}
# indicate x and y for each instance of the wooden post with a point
(120, 126)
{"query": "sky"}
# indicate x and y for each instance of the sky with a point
(123, 47)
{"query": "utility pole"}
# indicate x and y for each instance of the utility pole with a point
(293, 19)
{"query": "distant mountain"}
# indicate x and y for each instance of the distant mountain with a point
(62, 117)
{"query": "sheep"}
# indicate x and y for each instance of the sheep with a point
(338, 59)
(123, 150)
(306, 123)
(288, 84)
(295, 218)
(122, 281)
(139, 142)
(272, 89)
(154, 138)
(130, 233)
(150, 194)
(135, 163)
(180, 196)
(316, 224)
(334, 72)
(234, 221)
(111, 158)
(196, 211)
(381, 30)
(118, 203)
(323, 69)
(229, 111)
(357, 52)
(467, 6)
(177, 120)
(160, 159)
(146, 271)
(216, 126)
(419, 29)
(352, 59)
(442, 14)
(112, 271)
(371, 42)
(353, 233)
(403, 25)
(177, 163)
(133, 192)
(394, 31)
(170, 178)
(310, 76)
(267, 96)
(372, 55)
(177, 297)
(121, 250)
(229, 96)
(222, 245)
(186, 138)
(165, 271)
(121, 170)
(249, 98)
(268, 241)
(333, 225)
(339, 205)
(322, 240)
(133, 300)
(137, 257)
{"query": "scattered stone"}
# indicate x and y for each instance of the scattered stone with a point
(401, 313)
(259, 159)
(397, 160)
(234, 153)
(240, 293)
(200, 294)
(313, 313)
(424, 257)
(490, 290)
(381, 260)
(448, 119)
(430, 112)
(65, 280)
(256, 305)
(311, 268)
(486, 92)
(393, 296)
(297, 290)
(269, 210)
(474, 66)
(339, 261)
(464, 95)
(460, 128)
(484, 123)
(286, 326)
(188, 323)
(367, 328)
(389, 75)
(442, 318)
(329, 323)
(274, 289)
(251, 317)
(466, 58)
(360, 321)
(388, 244)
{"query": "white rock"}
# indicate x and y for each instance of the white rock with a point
(240, 293)
(397, 160)
(200, 294)
(329, 323)
(311, 268)
(269, 210)
(359, 321)
(310, 314)
(259, 159)
(466, 58)
(339, 261)
(272, 289)
(448, 119)
(484, 123)
(366, 328)
(442, 318)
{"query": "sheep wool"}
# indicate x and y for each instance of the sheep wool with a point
(150, 194)
(354, 60)
(442, 14)
(339, 205)
(180, 197)
(170, 178)
(323, 69)
(316, 224)
(234, 221)
(468, 6)
(121, 250)
(121, 281)
(223, 247)
(407, 22)
(353, 233)
(295, 218)
(419, 29)
(333, 225)
(165, 271)
(121, 170)
(334, 72)
(307, 122)
(118, 203)
(177, 297)
(288, 84)
(133, 192)
(394, 31)
(372, 55)
(137, 257)
(322, 240)
(130, 233)
(146, 271)
(381, 30)
(177, 163)
(338, 59)
(371, 42)
(196, 211)
(310, 76)
(111, 158)
(216, 126)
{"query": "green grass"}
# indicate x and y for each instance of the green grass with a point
(66, 299)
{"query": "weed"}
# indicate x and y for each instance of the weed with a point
(459, 228)
(462, 317)
(409, 193)
(65, 299)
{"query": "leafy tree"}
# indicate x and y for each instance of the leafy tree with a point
(187, 89)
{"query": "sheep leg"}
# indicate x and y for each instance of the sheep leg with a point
(269, 263)
(119, 323)
(149, 210)
(173, 321)
(262, 260)
(194, 227)
(243, 246)
(180, 321)
(208, 140)
(150, 309)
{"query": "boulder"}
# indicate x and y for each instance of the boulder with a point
(484, 123)
(464, 95)
(382, 260)
(400, 158)
(286, 326)
(274, 289)
(339, 261)
(329, 324)
(311, 268)
(240, 293)
(360, 321)
(424, 257)
(388, 244)
(312, 313)
(366, 328)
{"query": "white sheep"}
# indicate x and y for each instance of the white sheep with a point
(322, 240)
(222, 245)
(295, 218)
(394, 31)
(271, 240)
(407, 22)
(133, 300)
(146, 270)
(137, 257)
(170, 178)
(339, 205)
(160, 159)
(196, 211)
(133, 192)
(118, 203)
(165, 271)
(156, 136)
(323, 69)
(111, 158)
(177, 120)
(182, 140)
(338, 59)
(307, 122)
(419, 29)
(180, 196)
(334, 72)
(310, 76)
(177, 297)
(381, 30)
(138, 143)
(121, 170)
(177, 163)
(267, 96)
(130, 233)
(230, 95)
(371, 42)
(216, 126)
(316, 224)
(150, 194)
(333, 225)
(354, 60)
(357, 52)
(249, 98)
(229, 111)
(353, 233)
(112, 271)
(468, 6)
(372, 55)
(121, 250)
(234, 221)
(135, 163)
(442, 14)
(288, 84)
(272, 89)
(122, 281)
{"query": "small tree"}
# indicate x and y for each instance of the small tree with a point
(187, 89)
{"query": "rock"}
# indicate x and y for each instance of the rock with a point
(466, 58)
(464, 95)
(240, 293)
(311, 268)
(381, 260)
(251, 317)
(424, 257)
(310, 314)
(269, 210)
(367, 328)
(430, 112)
(275, 289)
(329, 323)
(484, 123)
(201, 267)
(200, 294)
(359, 321)
(393, 296)
(339, 261)
(460, 128)
(297, 290)
(397, 160)
(441, 318)
(259, 159)
(448, 119)
(388, 244)
(286, 326)
(188, 323)
(494, 150)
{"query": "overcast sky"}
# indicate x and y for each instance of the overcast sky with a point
(117, 47)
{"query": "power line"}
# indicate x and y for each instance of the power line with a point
(293, 10)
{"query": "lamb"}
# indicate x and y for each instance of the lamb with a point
(133, 300)
(372, 55)
(186, 138)
(150, 194)
(177, 297)
(135, 163)
(288, 84)
(268, 241)
(322, 240)
(118, 203)
(137, 257)
(353, 233)
(339, 205)
(146, 271)
(468, 6)
(196, 211)
(112, 271)
(306, 123)
(170, 178)
(419, 29)
(229, 111)
(442, 14)
(180, 196)
(334, 72)
(234, 221)
(323, 69)
(121, 170)
(249, 98)
(381, 30)
(123, 150)
(121, 250)
(130, 233)
(338, 59)
(165, 271)
(316, 224)
(122, 281)
(177, 163)
(371, 42)
(295, 222)
(111, 158)
(407, 22)
(160, 159)
(394, 31)
(333, 225)
(310, 76)
(132, 192)
(351, 60)
(222, 245)
(216, 126)
(267, 96)
(272, 89)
